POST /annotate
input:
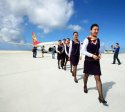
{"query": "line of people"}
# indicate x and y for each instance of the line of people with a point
(62, 53)
(71, 50)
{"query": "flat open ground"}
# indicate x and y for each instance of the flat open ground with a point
(36, 85)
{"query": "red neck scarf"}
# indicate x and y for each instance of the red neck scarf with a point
(92, 40)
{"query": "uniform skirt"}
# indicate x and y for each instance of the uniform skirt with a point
(74, 60)
(59, 56)
(92, 67)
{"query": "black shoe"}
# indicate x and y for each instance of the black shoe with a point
(119, 63)
(113, 63)
(101, 100)
(76, 81)
(59, 68)
(64, 67)
(85, 90)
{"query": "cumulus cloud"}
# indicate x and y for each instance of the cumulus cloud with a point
(75, 27)
(45, 14)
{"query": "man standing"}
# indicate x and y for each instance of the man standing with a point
(43, 50)
(116, 53)
(34, 50)
(53, 52)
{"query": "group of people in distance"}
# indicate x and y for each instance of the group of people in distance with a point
(34, 50)
(71, 50)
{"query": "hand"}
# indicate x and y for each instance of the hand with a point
(95, 57)
(112, 46)
(99, 56)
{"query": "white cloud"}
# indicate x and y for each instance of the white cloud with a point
(45, 14)
(75, 27)
(86, 21)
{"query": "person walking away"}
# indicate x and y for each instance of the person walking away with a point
(116, 53)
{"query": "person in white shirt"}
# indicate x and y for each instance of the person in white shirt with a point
(67, 51)
(74, 54)
(90, 49)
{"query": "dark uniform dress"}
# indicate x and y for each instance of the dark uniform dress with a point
(91, 66)
(63, 55)
(75, 53)
(67, 49)
(59, 56)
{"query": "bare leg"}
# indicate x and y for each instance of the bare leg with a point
(42, 55)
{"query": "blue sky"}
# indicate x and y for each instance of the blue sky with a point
(109, 14)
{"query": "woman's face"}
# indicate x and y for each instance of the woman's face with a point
(117, 45)
(67, 41)
(75, 36)
(94, 31)
(60, 42)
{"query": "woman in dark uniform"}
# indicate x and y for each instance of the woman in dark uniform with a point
(63, 61)
(67, 50)
(59, 53)
(91, 46)
(74, 54)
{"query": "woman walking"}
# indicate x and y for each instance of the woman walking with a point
(74, 54)
(59, 53)
(67, 51)
(91, 46)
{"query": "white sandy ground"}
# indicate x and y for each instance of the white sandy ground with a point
(36, 85)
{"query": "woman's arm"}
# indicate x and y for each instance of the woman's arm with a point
(66, 51)
(84, 48)
(57, 50)
(70, 49)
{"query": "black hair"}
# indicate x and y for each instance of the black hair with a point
(75, 32)
(64, 39)
(59, 40)
(93, 25)
(117, 43)
(68, 39)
